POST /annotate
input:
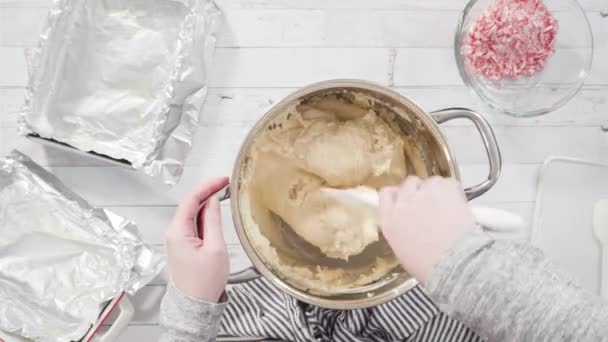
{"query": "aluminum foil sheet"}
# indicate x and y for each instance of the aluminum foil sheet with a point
(124, 79)
(60, 258)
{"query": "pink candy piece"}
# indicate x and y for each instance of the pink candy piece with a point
(511, 39)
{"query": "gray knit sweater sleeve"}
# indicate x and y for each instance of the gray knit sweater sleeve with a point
(186, 319)
(507, 291)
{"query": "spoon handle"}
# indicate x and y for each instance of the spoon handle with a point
(491, 219)
(604, 272)
(600, 230)
(498, 220)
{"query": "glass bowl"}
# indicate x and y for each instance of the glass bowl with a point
(546, 90)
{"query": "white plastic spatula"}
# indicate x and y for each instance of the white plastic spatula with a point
(600, 230)
(489, 218)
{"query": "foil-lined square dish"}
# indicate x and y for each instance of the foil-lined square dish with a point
(125, 80)
(60, 258)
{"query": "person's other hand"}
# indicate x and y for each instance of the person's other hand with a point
(199, 267)
(422, 219)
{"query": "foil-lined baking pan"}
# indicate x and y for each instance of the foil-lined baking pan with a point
(60, 258)
(122, 79)
(102, 331)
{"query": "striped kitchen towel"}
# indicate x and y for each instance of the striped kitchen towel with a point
(259, 309)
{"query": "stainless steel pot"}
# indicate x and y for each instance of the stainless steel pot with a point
(439, 159)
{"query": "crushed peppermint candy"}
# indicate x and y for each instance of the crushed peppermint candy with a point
(511, 39)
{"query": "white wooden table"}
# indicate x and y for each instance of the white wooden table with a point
(267, 49)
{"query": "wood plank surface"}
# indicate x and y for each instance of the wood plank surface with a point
(269, 48)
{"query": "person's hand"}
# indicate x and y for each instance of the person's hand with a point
(422, 219)
(199, 267)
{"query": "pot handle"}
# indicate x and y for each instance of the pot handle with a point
(489, 142)
(242, 276)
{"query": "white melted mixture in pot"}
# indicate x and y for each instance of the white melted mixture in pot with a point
(335, 140)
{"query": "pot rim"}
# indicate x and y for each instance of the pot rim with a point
(381, 296)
